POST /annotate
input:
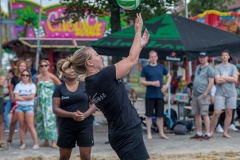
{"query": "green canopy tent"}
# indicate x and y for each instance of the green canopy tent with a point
(173, 37)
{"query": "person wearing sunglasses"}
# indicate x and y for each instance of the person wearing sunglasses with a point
(226, 95)
(202, 84)
(71, 105)
(46, 120)
(24, 94)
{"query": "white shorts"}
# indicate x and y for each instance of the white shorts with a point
(221, 102)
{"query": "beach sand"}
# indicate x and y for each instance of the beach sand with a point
(196, 156)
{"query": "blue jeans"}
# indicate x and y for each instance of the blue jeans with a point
(8, 108)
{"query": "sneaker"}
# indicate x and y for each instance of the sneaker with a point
(232, 127)
(206, 138)
(35, 147)
(196, 137)
(15, 131)
(23, 146)
(237, 123)
(219, 129)
(95, 123)
(6, 131)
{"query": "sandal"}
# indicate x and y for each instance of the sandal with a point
(1, 145)
(54, 145)
(45, 144)
(9, 141)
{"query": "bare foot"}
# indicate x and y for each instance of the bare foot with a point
(211, 134)
(226, 136)
(164, 137)
(149, 137)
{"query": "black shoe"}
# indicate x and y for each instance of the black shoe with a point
(196, 137)
(206, 138)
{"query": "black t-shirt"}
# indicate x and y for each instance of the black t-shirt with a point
(190, 86)
(110, 96)
(71, 102)
(14, 81)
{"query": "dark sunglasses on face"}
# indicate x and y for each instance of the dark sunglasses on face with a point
(45, 65)
(25, 75)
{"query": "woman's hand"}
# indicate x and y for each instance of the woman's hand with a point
(145, 38)
(78, 116)
(138, 23)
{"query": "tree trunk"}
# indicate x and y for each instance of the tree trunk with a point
(115, 23)
(25, 30)
(115, 16)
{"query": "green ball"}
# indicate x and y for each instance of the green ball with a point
(129, 4)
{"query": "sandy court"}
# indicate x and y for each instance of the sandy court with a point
(176, 148)
(197, 156)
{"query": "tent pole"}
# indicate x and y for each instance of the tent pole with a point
(169, 94)
(189, 62)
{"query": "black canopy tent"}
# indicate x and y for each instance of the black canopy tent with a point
(172, 37)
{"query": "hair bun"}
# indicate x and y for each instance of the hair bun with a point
(66, 64)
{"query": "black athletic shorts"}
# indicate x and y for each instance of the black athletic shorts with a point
(154, 105)
(129, 145)
(67, 138)
(2, 107)
(173, 90)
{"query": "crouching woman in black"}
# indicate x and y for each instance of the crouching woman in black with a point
(71, 105)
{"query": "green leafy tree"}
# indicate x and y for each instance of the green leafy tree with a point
(27, 17)
(76, 9)
(3, 14)
(199, 6)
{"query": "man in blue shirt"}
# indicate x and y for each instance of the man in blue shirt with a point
(152, 78)
(31, 69)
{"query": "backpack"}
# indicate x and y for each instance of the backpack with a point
(184, 90)
(167, 121)
(173, 115)
(180, 129)
(187, 124)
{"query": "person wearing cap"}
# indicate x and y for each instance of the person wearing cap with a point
(202, 84)
(226, 96)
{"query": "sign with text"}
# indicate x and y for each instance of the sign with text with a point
(27, 25)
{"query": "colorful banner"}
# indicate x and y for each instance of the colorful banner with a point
(228, 21)
(27, 19)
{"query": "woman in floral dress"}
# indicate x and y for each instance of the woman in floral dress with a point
(46, 120)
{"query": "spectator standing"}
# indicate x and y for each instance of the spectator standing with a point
(226, 96)
(8, 105)
(21, 66)
(46, 120)
(152, 78)
(202, 84)
(2, 81)
(31, 69)
(24, 94)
